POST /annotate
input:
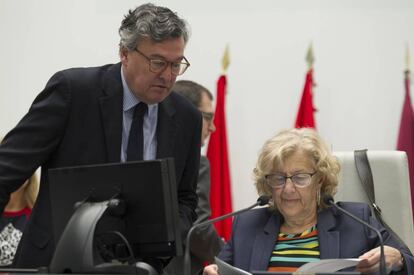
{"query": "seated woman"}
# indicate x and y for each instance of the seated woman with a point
(298, 170)
(14, 218)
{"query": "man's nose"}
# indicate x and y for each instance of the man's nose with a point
(167, 73)
(212, 127)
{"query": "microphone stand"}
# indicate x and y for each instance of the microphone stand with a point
(262, 200)
(383, 271)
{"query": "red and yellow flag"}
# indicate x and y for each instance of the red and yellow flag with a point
(305, 116)
(406, 134)
(217, 153)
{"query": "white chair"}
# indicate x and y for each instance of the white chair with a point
(392, 188)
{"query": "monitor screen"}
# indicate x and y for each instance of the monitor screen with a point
(150, 222)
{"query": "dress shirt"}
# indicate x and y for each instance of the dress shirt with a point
(150, 123)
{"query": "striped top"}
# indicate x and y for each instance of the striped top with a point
(293, 250)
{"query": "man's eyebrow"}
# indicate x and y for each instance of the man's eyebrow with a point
(163, 58)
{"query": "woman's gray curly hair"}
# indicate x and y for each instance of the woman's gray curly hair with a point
(280, 147)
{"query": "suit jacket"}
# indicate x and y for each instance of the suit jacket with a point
(255, 232)
(205, 243)
(77, 120)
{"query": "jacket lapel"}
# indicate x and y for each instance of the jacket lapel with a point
(166, 128)
(327, 235)
(111, 112)
(264, 243)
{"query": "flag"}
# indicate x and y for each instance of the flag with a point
(217, 153)
(406, 134)
(305, 117)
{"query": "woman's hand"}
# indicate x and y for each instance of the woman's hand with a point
(211, 270)
(370, 261)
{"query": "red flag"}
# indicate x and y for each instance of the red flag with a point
(305, 117)
(406, 135)
(220, 189)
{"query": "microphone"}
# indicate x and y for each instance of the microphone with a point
(329, 201)
(261, 201)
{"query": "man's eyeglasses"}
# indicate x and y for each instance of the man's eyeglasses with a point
(208, 116)
(299, 180)
(157, 65)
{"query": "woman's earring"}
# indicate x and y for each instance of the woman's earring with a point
(318, 197)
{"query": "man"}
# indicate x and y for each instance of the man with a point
(205, 243)
(85, 116)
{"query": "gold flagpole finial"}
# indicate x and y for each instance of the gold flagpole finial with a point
(225, 61)
(407, 58)
(310, 58)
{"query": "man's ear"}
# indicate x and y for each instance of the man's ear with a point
(123, 54)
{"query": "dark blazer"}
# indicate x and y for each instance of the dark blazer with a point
(254, 234)
(77, 120)
(205, 242)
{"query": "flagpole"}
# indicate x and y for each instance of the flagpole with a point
(225, 60)
(310, 58)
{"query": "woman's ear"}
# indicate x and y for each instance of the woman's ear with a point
(321, 179)
(320, 182)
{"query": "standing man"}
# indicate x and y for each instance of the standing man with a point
(87, 116)
(205, 243)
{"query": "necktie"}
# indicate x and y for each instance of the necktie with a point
(135, 147)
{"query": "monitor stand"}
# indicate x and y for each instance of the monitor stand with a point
(74, 252)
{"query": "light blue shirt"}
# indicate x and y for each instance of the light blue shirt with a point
(150, 123)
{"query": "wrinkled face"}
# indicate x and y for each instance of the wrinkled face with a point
(206, 107)
(295, 202)
(148, 86)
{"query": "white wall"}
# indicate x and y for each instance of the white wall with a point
(358, 44)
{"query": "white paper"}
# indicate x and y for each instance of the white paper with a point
(227, 269)
(323, 266)
(328, 265)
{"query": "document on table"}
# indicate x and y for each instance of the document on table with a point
(322, 266)
(329, 265)
(228, 269)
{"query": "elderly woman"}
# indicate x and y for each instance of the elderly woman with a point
(297, 169)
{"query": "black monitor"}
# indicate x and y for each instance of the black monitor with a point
(149, 220)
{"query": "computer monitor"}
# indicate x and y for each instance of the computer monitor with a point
(150, 223)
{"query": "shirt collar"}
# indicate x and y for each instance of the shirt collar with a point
(129, 99)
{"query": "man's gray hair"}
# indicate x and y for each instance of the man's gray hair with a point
(150, 21)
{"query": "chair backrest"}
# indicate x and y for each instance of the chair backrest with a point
(392, 188)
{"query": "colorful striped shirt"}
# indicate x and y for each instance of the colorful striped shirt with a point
(293, 250)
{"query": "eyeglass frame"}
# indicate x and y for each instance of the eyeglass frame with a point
(150, 60)
(207, 116)
(291, 179)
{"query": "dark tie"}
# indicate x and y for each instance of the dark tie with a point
(136, 134)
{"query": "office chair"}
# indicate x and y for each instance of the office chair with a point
(392, 188)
